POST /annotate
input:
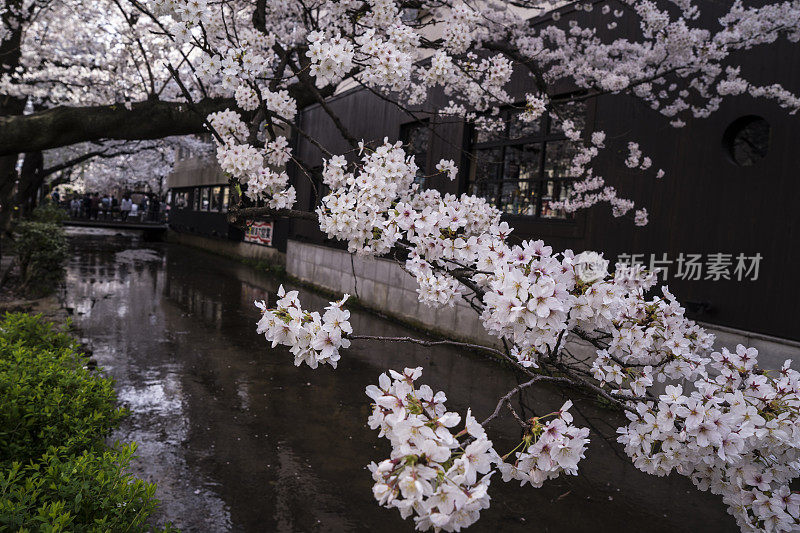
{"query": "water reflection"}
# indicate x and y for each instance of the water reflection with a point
(239, 439)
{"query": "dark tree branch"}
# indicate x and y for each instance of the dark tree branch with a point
(238, 216)
(62, 126)
(103, 154)
(154, 119)
(518, 388)
(422, 342)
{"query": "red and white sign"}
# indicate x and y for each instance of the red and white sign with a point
(259, 233)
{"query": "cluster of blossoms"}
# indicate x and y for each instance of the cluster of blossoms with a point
(735, 433)
(245, 162)
(592, 189)
(549, 448)
(635, 158)
(356, 208)
(384, 54)
(246, 98)
(442, 480)
(535, 107)
(527, 297)
(389, 62)
(313, 339)
(278, 151)
(447, 166)
(280, 103)
(228, 124)
(265, 183)
(331, 59)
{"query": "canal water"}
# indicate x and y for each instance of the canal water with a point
(239, 439)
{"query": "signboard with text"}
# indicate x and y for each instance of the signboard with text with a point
(259, 233)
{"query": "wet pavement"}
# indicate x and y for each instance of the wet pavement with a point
(239, 439)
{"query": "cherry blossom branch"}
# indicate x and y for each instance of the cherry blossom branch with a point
(580, 382)
(510, 394)
(422, 342)
(191, 104)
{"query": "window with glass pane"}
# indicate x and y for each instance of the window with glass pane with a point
(226, 199)
(416, 138)
(216, 194)
(179, 200)
(526, 167)
(204, 199)
(196, 199)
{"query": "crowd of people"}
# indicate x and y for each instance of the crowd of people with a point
(93, 206)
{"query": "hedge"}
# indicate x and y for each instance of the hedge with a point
(56, 472)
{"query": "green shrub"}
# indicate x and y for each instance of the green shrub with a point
(48, 397)
(50, 213)
(87, 492)
(56, 474)
(41, 249)
(33, 332)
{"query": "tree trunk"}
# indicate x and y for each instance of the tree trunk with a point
(8, 166)
(10, 54)
(31, 179)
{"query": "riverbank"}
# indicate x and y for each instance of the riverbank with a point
(59, 470)
(12, 300)
(274, 263)
(50, 307)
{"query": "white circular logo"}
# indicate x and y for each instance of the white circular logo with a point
(590, 266)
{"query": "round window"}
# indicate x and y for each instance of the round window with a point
(747, 140)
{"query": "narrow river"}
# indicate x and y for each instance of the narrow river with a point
(239, 439)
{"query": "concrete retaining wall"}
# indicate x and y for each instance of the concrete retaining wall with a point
(381, 285)
(244, 250)
(772, 351)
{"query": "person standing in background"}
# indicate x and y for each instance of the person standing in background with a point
(95, 206)
(154, 208)
(105, 205)
(125, 208)
(75, 207)
(86, 206)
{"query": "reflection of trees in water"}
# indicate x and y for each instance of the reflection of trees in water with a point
(119, 308)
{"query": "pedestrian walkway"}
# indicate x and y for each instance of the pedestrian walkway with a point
(117, 224)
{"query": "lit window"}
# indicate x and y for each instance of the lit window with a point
(226, 199)
(180, 200)
(204, 199)
(216, 196)
(525, 167)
